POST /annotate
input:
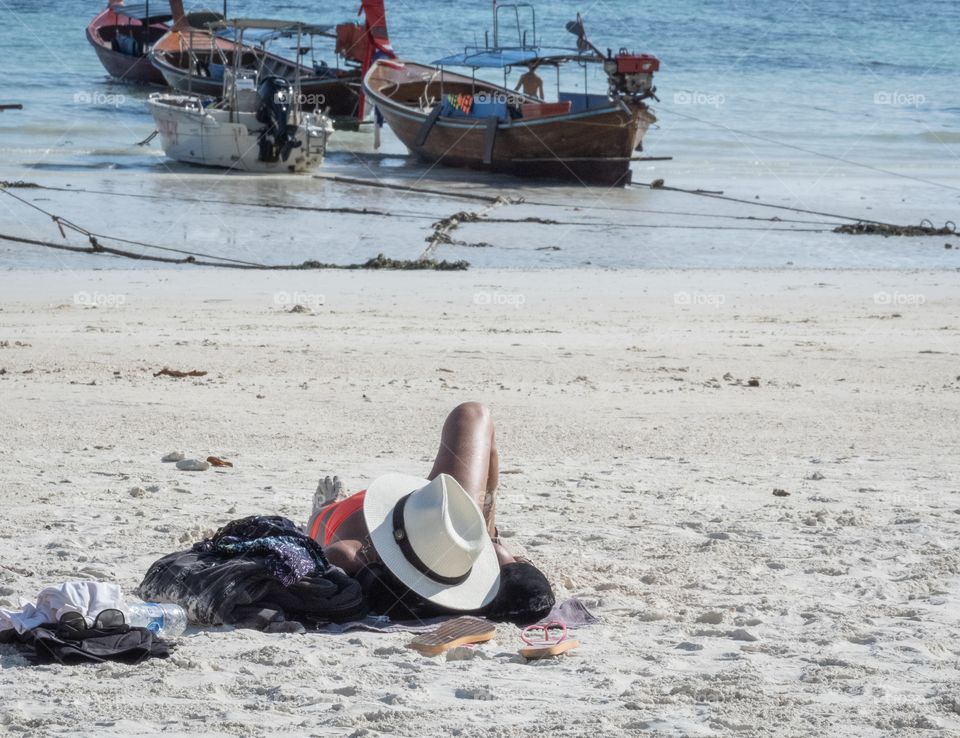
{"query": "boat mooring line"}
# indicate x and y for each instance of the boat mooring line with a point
(628, 226)
(407, 188)
(443, 228)
(97, 248)
(376, 263)
(273, 206)
(892, 228)
(840, 159)
(62, 223)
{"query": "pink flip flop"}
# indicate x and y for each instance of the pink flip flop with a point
(541, 645)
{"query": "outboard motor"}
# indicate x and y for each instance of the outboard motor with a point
(631, 75)
(274, 97)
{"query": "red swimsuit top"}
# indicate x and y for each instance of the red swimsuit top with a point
(331, 517)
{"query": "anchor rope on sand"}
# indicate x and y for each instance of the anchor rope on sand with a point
(926, 228)
(210, 200)
(442, 228)
(655, 185)
(200, 259)
(866, 225)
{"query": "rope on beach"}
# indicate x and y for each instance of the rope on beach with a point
(926, 228)
(443, 228)
(865, 225)
(200, 259)
(378, 262)
(208, 200)
(419, 190)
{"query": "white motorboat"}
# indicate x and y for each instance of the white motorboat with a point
(255, 127)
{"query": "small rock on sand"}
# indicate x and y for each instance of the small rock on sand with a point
(474, 693)
(173, 456)
(650, 616)
(688, 646)
(742, 635)
(465, 653)
(192, 465)
(713, 618)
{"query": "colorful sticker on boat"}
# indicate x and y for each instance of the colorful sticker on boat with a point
(463, 103)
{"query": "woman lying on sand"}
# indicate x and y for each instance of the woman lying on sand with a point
(426, 547)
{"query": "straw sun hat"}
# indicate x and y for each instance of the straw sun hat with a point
(433, 538)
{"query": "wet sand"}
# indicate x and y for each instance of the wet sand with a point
(639, 469)
(536, 225)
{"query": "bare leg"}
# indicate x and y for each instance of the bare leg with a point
(468, 453)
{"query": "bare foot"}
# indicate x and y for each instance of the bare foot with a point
(329, 490)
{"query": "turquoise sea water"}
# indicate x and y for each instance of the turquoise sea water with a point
(874, 83)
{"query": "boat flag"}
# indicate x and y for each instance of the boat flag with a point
(379, 47)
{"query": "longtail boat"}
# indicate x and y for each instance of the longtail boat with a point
(459, 120)
(194, 58)
(123, 34)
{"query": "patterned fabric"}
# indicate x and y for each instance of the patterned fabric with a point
(463, 103)
(259, 572)
(287, 552)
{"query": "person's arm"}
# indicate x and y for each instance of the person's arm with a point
(346, 555)
(504, 557)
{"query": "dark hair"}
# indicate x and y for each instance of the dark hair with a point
(524, 596)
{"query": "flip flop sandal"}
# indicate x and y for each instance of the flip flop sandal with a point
(541, 645)
(457, 632)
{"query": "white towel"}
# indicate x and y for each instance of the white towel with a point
(87, 598)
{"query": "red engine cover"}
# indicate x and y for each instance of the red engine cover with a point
(637, 63)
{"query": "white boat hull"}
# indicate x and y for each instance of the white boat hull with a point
(215, 137)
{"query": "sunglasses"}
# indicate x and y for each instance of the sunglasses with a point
(75, 623)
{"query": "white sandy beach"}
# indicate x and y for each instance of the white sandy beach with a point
(638, 471)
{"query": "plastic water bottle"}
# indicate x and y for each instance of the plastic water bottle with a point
(164, 620)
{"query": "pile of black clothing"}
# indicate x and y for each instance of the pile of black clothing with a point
(261, 572)
(74, 641)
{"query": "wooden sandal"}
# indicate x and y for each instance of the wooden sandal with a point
(457, 632)
(546, 646)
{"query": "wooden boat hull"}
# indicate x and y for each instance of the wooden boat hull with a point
(196, 135)
(337, 96)
(593, 146)
(125, 67)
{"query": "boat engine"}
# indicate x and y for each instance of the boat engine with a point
(631, 75)
(274, 97)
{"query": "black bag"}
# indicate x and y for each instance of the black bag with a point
(246, 590)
